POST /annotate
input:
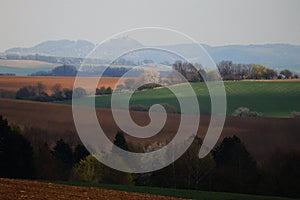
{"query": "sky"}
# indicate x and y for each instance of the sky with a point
(212, 22)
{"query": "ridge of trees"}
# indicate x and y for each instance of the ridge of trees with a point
(231, 71)
(70, 70)
(229, 167)
(38, 92)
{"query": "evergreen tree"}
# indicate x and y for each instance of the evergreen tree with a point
(120, 141)
(235, 168)
(64, 155)
(80, 153)
(16, 159)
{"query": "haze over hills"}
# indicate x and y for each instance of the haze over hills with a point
(271, 55)
(62, 48)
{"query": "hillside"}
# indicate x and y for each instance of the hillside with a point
(271, 98)
(63, 48)
(24, 67)
(272, 55)
(262, 136)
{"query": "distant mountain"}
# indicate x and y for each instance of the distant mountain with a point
(61, 48)
(115, 47)
(271, 55)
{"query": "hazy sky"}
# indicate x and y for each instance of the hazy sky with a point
(27, 22)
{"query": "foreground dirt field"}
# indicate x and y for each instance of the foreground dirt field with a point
(20, 189)
(13, 83)
(262, 136)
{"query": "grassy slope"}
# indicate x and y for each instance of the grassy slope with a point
(272, 99)
(19, 71)
(189, 194)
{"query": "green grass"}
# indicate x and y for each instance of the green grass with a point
(272, 99)
(23, 71)
(187, 194)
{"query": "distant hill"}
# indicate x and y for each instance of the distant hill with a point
(271, 55)
(24, 67)
(60, 48)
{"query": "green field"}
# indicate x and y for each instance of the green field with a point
(22, 71)
(272, 99)
(179, 193)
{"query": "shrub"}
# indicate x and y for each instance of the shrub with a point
(92, 171)
(27, 92)
(87, 170)
(7, 94)
(108, 91)
(149, 86)
(100, 91)
(169, 108)
(245, 112)
(104, 91)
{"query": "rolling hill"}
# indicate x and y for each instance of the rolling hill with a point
(24, 67)
(272, 98)
(261, 136)
(60, 48)
(272, 55)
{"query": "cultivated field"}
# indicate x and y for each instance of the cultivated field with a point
(272, 99)
(26, 63)
(262, 136)
(21, 189)
(13, 83)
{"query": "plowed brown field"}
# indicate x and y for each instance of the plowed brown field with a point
(262, 136)
(13, 83)
(21, 189)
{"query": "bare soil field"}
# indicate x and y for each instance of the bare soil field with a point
(26, 63)
(13, 83)
(21, 189)
(262, 136)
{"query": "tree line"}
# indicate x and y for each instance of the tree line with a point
(228, 168)
(71, 70)
(231, 71)
(38, 92)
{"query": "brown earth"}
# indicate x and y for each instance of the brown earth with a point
(21, 189)
(13, 83)
(262, 136)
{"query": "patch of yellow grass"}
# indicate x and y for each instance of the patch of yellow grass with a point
(25, 63)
